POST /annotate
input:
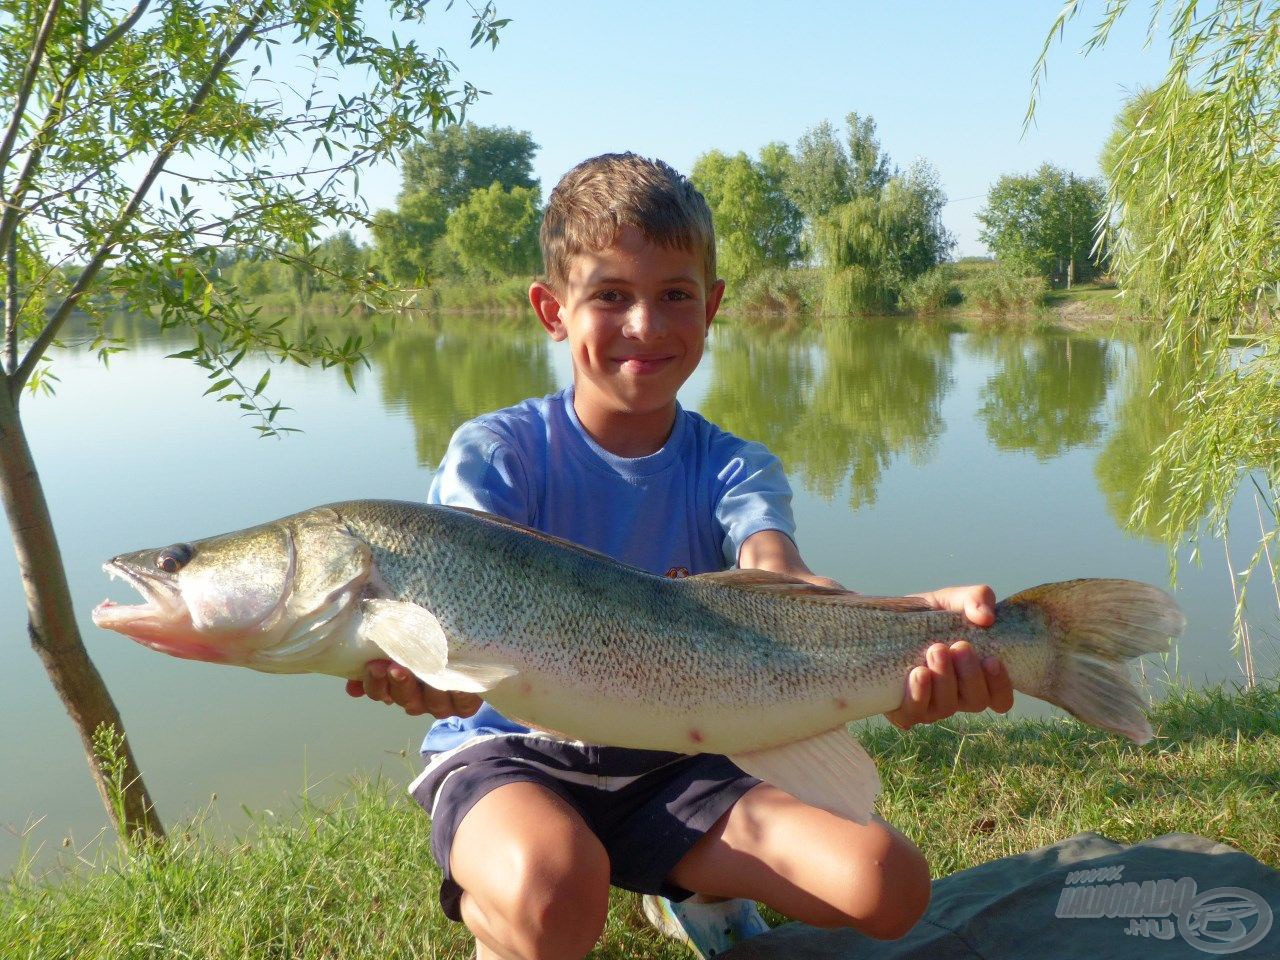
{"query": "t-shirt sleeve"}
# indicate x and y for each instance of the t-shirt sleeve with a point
(755, 496)
(482, 471)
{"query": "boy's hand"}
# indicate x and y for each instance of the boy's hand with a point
(954, 678)
(392, 684)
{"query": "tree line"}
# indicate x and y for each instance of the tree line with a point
(832, 220)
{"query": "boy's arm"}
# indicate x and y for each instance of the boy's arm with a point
(953, 679)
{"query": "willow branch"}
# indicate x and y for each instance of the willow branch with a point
(54, 116)
(28, 81)
(118, 31)
(86, 278)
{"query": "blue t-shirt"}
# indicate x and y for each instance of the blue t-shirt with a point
(683, 510)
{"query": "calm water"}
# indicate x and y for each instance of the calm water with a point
(920, 458)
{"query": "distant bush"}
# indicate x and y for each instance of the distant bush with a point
(483, 296)
(787, 291)
(856, 289)
(929, 292)
(1003, 288)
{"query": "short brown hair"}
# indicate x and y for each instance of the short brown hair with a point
(594, 199)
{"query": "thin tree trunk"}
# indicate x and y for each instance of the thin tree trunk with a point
(52, 625)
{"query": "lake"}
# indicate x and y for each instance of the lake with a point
(920, 457)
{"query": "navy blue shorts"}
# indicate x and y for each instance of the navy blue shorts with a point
(647, 807)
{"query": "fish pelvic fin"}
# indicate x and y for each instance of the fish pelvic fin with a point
(413, 637)
(831, 771)
(1095, 627)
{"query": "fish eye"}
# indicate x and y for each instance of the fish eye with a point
(172, 559)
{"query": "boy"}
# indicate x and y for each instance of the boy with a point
(530, 831)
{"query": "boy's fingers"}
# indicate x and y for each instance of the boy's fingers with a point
(973, 695)
(406, 690)
(915, 700)
(355, 688)
(980, 605)
(945, 696)
(999, 683)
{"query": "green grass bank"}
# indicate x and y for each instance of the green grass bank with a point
(354, 879)
(968, 293)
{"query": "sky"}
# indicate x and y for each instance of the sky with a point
(947, 81)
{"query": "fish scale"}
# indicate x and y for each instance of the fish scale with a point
(764, 668)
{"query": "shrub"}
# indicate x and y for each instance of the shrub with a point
(929, 292)
(1003, 288)
(778, 290)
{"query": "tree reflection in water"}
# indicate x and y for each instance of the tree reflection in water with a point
(836, 405)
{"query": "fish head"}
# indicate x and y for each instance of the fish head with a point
(246, 598)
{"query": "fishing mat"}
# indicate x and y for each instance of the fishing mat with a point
(1176, 897)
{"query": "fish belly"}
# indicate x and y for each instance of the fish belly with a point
(682, 725)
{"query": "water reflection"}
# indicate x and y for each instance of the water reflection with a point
(838, 403)
(838, 406)
(444, 371)
(1145, 417)
(1047, 394)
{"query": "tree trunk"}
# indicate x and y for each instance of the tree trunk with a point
(51, 623)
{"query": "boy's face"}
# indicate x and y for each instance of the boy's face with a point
(636, 316)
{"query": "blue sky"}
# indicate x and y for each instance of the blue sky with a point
(948, 81)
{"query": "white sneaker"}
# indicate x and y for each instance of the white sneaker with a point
(709, 929)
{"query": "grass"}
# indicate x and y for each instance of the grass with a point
(355, 879)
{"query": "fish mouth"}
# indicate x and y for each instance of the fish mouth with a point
(161, 622)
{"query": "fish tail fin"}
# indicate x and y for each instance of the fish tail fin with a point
(1095, 627)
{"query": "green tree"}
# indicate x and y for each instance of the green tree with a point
(1148, 275)
(757, 226)
(818, 178)
(1206, 137)
(876, 243)
(339, 259)
(871, 228)
(440, 172)
(826, 173)
(494, 233)
(1047, 221)
(136, 148)
(452, 162)
(405, 237)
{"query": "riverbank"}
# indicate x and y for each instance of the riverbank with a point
(1086, 308)
(355, 879)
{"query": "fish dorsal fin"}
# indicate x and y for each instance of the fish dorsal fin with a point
(412, 637)
(547, 538)
(831, 771)
(769, 582)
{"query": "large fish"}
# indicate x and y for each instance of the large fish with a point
(761, 667)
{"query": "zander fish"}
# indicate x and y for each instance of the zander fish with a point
(763, 668)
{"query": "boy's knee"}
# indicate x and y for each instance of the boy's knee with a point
(885, 896)
(553, 907)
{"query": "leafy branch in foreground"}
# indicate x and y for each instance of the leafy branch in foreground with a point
(1193, 233)
(271, 109)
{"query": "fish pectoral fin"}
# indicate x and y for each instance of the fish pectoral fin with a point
(412, 636)
(766, 581)
(470, 677)
(831, 771)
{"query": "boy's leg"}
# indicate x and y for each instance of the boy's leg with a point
(535, 879)
(810, 865)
